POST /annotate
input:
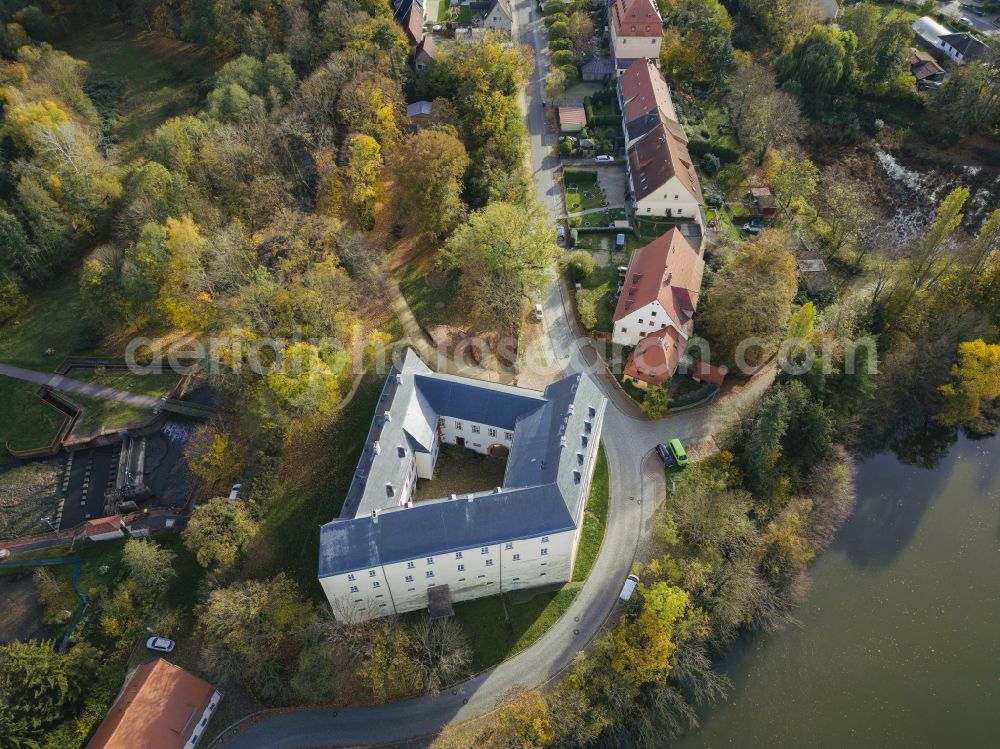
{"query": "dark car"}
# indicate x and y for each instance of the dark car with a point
(713, 201)
(665, 456)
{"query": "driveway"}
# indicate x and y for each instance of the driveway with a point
(636, 487)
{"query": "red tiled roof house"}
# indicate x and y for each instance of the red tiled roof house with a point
(644, 99)
(656, 306)
(636, 31)
(161, 705)
(662, 178)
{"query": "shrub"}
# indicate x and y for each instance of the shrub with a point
(557, 45)
(586, 305)
(558, 17)
(579, 177)
(607, 120)
(710, 163)
(578, 265)
(701, 147)
(562, 57)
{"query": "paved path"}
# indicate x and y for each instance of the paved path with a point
(68, 385)
(636, 483)
(597, 210)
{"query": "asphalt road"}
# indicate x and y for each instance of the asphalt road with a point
(636, 485)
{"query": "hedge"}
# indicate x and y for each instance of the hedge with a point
(605, 230)
(579, 177)
(607, 120)
(699, 148)
(693, 396)
(589, 109)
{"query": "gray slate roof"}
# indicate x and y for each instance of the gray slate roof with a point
(555, 438)
(966, 44)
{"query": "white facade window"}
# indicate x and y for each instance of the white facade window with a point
(350, 578)
(430, 560)
(485, 550)
(371, 573)
(489, 562)
(458, 425)
(545, 552)
(410, 565)
(376, 584)
(475, 428)
(493, 432)
(458, 555)
(516, 557)
(409, 578)
(429, 573)
(545, 539)
(508, 435)
(354, 588)
(508, 545)
(461, 568)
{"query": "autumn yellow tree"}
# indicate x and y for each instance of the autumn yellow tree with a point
(184, 297)
(975, 380)
(364, 170)
(522, 720)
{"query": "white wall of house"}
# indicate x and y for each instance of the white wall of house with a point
(639, 323)
(497, 20)
(670, 200)
(634, 47)
(359, 595)
(477, 436)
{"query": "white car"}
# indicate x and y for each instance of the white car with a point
(603, 158)
(436, 27)
(966, 20)
(160, 644)
(235, 491)
(4, 553)
(538, 313)
(629, 587)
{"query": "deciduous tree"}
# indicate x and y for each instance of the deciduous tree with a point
(975, 380)
(429, 177)
(218, 531)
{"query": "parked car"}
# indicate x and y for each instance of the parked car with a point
(713, 201)
(539, 315)
(629, 587)
(603, 158)
(753, 227)
(966, 20)
(4, 553)
(160, 644)
(561, 232)
(665, 456)
(677, 452)
(235, 491)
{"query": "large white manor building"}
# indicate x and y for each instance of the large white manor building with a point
(387, 554)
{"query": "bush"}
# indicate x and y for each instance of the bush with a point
(588, 107)
(693, 396)
(725, 155)
(607, 120)
(573, 237)
(558, 45)
(559, 30)
(558, 17)
(578, 265)
(710, 163)
(565, 148)
(562, 57)
(571, 72)
(586, 305)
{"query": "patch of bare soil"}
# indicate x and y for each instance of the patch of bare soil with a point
(20, 614)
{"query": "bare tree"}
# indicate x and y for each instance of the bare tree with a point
(442, 652)
(765, 117)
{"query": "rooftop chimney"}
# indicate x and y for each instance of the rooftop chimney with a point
(376, 447)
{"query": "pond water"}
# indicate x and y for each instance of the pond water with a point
(899, 637)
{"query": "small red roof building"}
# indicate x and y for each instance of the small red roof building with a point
(636, 18)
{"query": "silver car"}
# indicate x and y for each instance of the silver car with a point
(160, 644)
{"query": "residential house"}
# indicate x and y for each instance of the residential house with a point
(104, 529)
(424, 54)
(499, 17)
(662, 179)
(644, 100)
(410, 15)
(386, 553)
(597, 69)
(160, 705)
(924, 67)
(704, 372)
(961, 47)
(636, 31)
(572, 119)
(659, 296)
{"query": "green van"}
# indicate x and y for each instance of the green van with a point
(677, 451)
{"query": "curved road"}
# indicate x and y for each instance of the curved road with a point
(636, 485)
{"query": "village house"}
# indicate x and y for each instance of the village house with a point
(960, 47)
(924, 67)
(572, 119)
(644, 100)
(419, 112)
(161, 705)
(662, 179)
(424, 54)
(636, 30)
(387, 554)
(656, 307)
(499, 17)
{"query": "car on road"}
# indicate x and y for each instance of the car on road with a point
(603, 158)
(160, 644)
(753, 227)
(665, 456)
(539, 315)
(629, 587)
(677, 452)
(966, 20)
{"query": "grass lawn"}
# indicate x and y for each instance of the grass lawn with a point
(100, 413)
(595, 519)
(603, 218)
(161, 76)
(320, 456)
(892, 12)
(650, 229)
(605, 281)
(493, 638)
(584, 198)
(596, 241)
(431, 303)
